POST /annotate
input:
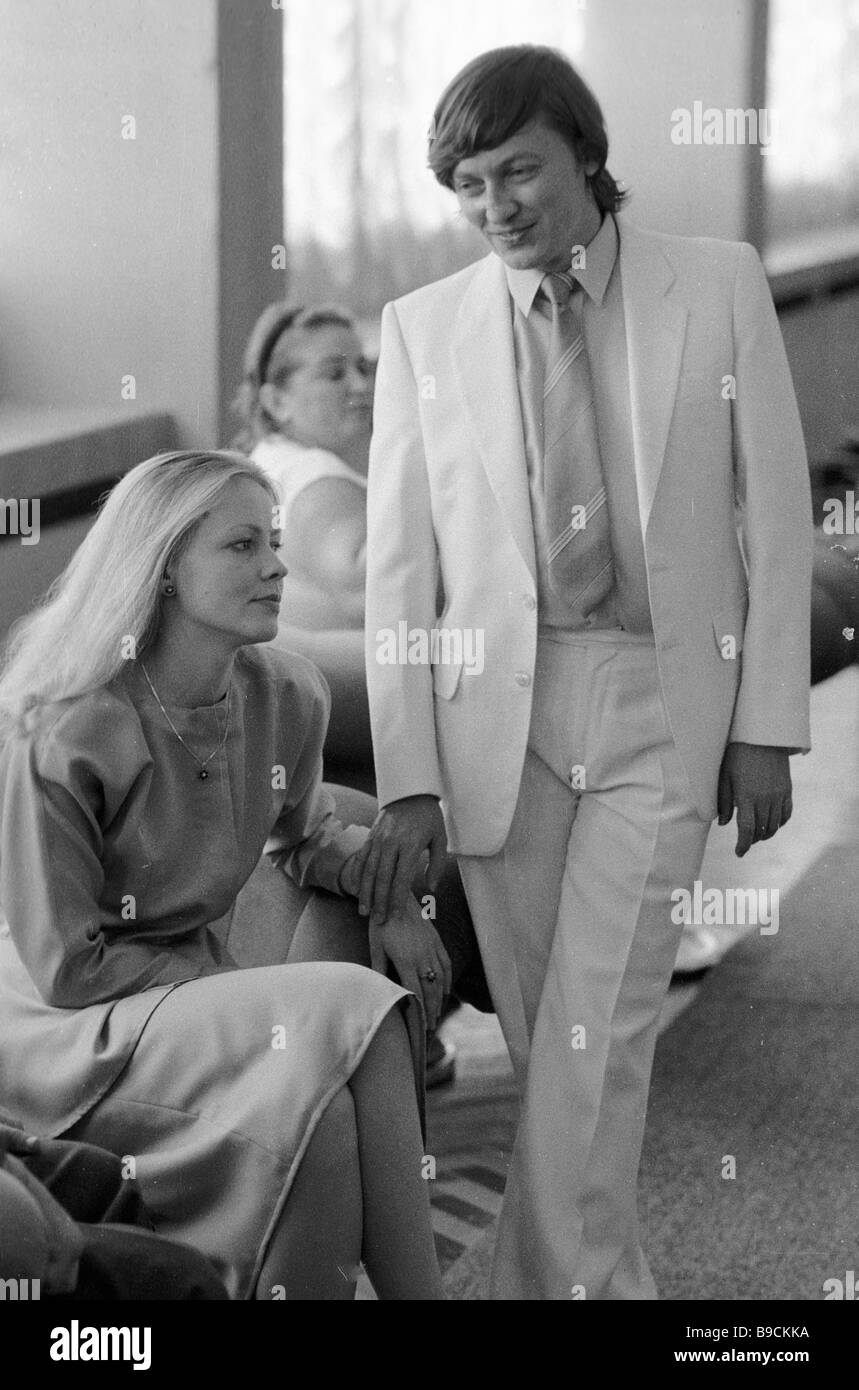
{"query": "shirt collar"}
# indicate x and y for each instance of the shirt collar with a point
(593, 276)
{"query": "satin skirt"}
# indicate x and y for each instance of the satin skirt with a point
(210, 1090)
(229, 1078)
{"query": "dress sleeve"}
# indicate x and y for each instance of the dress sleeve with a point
(52, 806)
(307, 841)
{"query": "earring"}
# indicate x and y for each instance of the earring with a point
(169, 589)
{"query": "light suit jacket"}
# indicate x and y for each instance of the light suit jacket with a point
(724, 502)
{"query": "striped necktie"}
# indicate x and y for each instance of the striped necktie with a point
(580, 565)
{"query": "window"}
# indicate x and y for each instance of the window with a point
(811, 171)
(365, 219)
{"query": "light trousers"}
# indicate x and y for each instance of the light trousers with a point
(573, 917)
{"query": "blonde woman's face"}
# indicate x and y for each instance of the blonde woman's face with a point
(327, 400)
(229, 580)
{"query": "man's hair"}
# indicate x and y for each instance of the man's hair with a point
(499, 92)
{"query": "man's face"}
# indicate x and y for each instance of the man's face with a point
(529, 198)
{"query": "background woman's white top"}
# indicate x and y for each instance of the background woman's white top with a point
(293, 469)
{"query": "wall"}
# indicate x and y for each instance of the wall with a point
(142, 256)
(108, 246)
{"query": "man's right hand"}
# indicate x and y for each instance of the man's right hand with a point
(389, 860)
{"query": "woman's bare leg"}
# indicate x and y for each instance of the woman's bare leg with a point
(316, 1248)
(359, 1191)
(398, 1249)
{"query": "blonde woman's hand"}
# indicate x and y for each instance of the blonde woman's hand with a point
(414, 948)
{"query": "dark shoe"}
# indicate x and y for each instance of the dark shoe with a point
(699, 950)
(688, 977)
(441, 1063)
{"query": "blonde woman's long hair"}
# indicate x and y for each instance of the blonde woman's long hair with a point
(105, 607)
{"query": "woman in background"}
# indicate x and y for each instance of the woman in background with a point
(306, 408)
(151, 750)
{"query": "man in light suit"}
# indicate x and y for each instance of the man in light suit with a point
(587, 445)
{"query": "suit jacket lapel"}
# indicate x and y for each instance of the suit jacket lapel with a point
(486, 369)
(655, 331)
(486, 373)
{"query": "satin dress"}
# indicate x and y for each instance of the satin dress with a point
(140, 1009)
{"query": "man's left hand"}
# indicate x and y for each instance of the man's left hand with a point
(756, 780)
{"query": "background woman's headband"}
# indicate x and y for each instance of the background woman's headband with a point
(269, 343)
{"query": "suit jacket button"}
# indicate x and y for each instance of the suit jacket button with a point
(522, 678)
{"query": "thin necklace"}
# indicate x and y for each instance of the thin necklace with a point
(201, 763)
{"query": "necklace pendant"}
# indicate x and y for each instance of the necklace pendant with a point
(203, 774)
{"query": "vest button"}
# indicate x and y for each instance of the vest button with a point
(530, 602)
(522, 678)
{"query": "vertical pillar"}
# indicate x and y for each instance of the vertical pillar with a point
(755, 228)
(251, 218)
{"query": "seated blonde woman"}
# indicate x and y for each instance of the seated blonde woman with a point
(152, 749)
(306, 409)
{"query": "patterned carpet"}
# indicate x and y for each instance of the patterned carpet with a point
(471, 1127)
